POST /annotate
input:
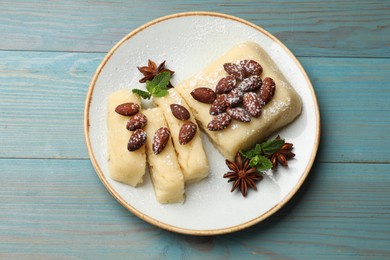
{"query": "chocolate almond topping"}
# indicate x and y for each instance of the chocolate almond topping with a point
(225, 84)
(235, 97)
(252, 104)
(137, 139)
(251, 83)
(251, 67)
(204, 95)
(267, 91)
(187, 132)
(239, 114)
(160, 139)
(127, 109)
(180, 112)
(219, 122)
(137, 121)
(235, 70)
(219, 105)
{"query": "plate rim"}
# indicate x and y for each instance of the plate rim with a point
(152, 220)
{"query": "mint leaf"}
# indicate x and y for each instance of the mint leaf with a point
(150, 86)
(252, 152)
(143, 94)
(162, 79)
(160, 93)
(261, 163)
(157, 87)
(271, 146)
(258, 156)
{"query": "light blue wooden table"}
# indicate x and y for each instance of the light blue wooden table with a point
(52, 204)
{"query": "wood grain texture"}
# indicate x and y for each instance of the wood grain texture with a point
(309, 28)
(52, 204)
(42, 96)
(353, 96)
(59, 209)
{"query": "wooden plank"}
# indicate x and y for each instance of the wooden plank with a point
(353, 95)
(59, 209)
(309, 27)
(42, 97)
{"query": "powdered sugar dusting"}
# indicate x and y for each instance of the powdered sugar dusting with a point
(168, 160)
(234, 126)
(276, 107)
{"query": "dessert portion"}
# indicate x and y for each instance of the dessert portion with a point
(185, 135)
(238, 100)
(268, 102)
(165, 172)
(124, 166)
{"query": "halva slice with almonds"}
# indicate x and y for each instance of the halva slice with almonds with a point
(124, 166)
(191, 155)
(164, 168)
(228, 135)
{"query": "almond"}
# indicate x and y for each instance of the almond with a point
(127, 109)
(220, 104)
(137, 139)
(251, 83)
(219, 122)
(251, 67)
(235, 97)
(180, 112)
(252, 104)
(239, 114)
(235, 70)
(204, 95)
(225, 84)
(160, 139)
(187, 132)
(137, 121)
(267, 91)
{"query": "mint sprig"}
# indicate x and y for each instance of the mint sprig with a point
(141, 93)
(258, 156)
(271, 146)
(261, 163)
(157, 87)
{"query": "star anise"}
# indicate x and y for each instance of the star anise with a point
(243, 175)
(282, 155)
(152, 70)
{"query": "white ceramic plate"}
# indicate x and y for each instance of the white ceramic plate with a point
(189, 42)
